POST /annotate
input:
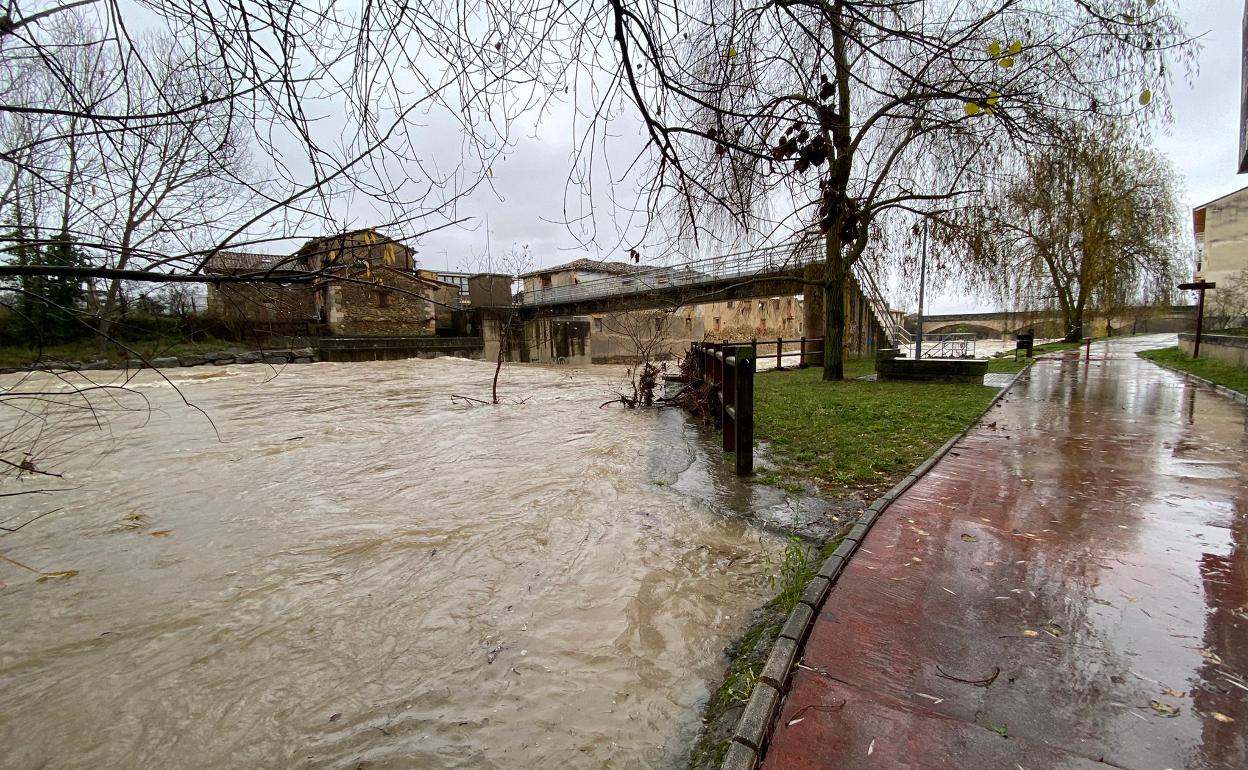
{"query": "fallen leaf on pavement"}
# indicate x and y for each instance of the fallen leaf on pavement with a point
(969, 538)
(1173, 693)
(161, 533)
(1163, 709)
(1031, 633)
(1211, 656)
(1218, 715)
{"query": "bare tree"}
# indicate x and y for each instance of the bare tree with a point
(516, 261)
(647, 334)
(836, 122)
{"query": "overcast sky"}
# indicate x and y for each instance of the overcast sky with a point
(530, 198)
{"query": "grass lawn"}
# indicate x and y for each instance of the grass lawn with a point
(89, 350)
(1007, 363)
(856, 435)
(1215, 371)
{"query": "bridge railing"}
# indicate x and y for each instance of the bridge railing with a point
(758, 263)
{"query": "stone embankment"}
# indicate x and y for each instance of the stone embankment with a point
(220, 358)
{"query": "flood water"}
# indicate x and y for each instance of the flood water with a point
(348, 568)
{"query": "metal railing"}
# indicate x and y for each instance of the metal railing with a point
(960, 345)
(807, 347)
(747, 264)
(896, 333)
(757, 263)
(729, 369)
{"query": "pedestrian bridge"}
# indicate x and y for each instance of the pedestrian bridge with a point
(762, 272)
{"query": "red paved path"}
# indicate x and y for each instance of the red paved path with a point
(1106, 504)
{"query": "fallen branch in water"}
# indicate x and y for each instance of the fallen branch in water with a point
(468, 398)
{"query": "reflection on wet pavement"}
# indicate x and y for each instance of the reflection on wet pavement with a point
(1074, 576)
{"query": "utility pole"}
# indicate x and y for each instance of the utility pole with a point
(918, 324)
(1201, 287)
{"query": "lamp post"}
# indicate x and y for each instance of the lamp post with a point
(1201, 287)
(918, 321)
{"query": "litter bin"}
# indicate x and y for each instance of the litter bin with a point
(1024, 344)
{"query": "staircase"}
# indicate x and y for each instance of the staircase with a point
(897, 335)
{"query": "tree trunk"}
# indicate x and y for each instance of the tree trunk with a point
(834, 312)
(504, 328)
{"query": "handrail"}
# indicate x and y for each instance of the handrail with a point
(729, 370)
(745, 264)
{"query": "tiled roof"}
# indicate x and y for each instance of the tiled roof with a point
(590, 266)
(247, 262)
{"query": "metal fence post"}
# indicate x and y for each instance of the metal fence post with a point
(728, 400)
(779, 352)
(743, 398)
(801, 355)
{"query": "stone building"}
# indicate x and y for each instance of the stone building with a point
(367, 286)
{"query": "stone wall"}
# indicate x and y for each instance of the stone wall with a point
(364, 310)
(248, 309)
(1219, 347)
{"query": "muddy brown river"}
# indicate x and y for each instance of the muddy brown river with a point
(349, 570)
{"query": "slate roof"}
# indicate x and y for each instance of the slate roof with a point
(590, 266)
(229, 262)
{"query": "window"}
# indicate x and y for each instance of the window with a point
(688, 324)
(732, 303)
(716, 323)
(382, 298)
(599, 322)
(546, 282)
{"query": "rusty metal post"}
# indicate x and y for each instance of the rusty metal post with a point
(801, 355)
(743, 398)
(727, 401)
(779, 352)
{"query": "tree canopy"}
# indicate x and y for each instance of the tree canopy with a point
(1093, 224)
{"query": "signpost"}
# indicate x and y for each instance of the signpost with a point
(1199, 286)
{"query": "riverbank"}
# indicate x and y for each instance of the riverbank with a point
(844, 443)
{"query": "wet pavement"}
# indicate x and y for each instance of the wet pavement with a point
(1068, 588)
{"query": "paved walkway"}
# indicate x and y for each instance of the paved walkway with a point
(1073, 575)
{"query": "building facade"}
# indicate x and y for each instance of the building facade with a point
(366, 286)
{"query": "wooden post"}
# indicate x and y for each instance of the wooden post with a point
(754, 347)
(779, 352)
(744, 422)
(1200, 287)
(801, 355)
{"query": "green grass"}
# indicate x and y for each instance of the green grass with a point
(1006, 363)
(1218, 372)
(90, 350)
(856, 435)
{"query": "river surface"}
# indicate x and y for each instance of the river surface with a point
(344, 567)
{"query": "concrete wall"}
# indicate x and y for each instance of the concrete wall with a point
(1218, 347)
